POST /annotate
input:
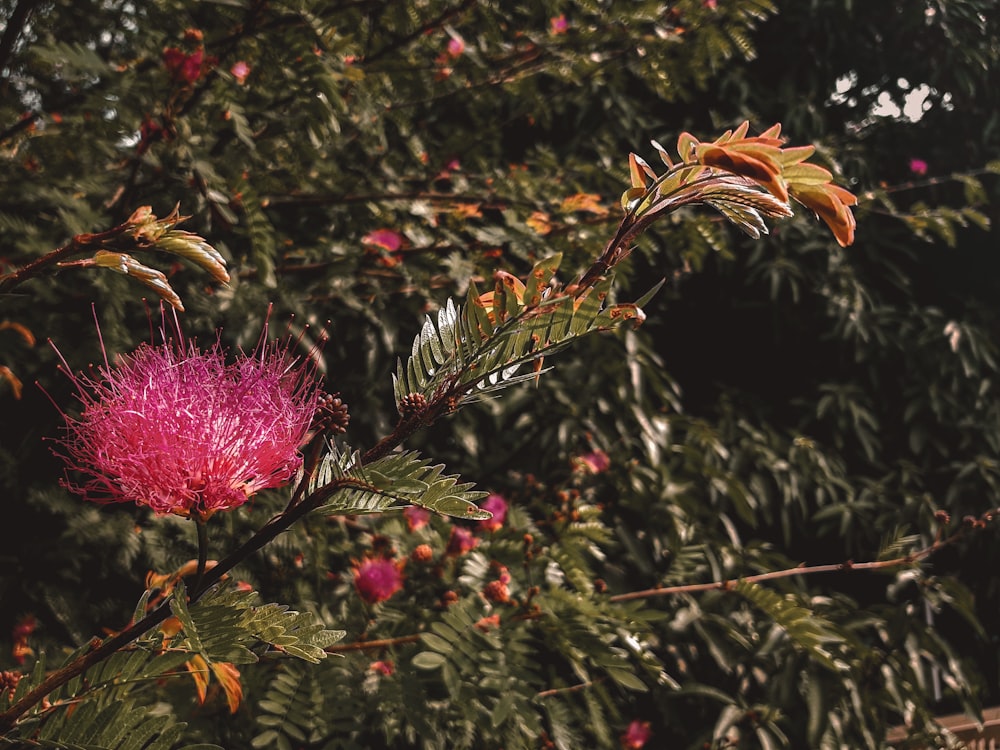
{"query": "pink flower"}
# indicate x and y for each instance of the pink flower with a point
(496, 505)
(183, 68)
(710, 4)
(181, 431)
(918, 166)
(558, 25)
(387, 239)
(455, 47)
(416, 517)
(240, 71)
(594, 462)
(377, 580)
(20, 633)
(385, 668)
(461, 541)
(637, 735)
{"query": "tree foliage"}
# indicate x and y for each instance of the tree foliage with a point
(761, 518)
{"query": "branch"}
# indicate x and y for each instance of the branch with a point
(340, 648)
(725, 585)
(79, 244)
(803, 570)
(570, 689)
(101, 651)
(423, 30)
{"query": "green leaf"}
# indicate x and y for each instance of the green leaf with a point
(393, 481)
(429, 660)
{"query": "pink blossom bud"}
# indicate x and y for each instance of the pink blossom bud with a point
(496, 505)
(377, 580)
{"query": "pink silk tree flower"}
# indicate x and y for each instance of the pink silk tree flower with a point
(496, 505)
(181, 431)
(636, 736)
(377, 580)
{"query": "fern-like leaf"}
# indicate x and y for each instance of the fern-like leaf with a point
(484, 346)
(804, 627)
(226, 622)
(394, 481)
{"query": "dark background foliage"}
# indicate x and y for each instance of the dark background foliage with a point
(787, 401)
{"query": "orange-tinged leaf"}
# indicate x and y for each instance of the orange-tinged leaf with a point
(830, 203)
(589, 202)
(485, 301)
(806, 174)
(198, 668)
(636, 173)
(26, 334)
(16, 385)
(795, 154)
(539, 221)
(664, 156)
(686, 144)
(772, 132)
(738, 134)
(171, 627)
(630, 195)
(763, 170)
(513, 284)
(229, 679)
(465, 210)
(845, 196)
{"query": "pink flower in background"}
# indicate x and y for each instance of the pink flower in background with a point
(636, 736)
(181, 431)
(387, 239)
(558, 25)
(455, 47)
(496, 505)
(377, 580)
(710, 4)
(385, 668)
(594, 462)
(461, 541)
(240, 72)
(918, 166)
(416, 517)
(183, 68)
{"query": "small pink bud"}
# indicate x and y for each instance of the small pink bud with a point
(594, 462)
(240, 72)
(461, 541)
(385, 668)
(636, 736)
(918, 167)
(387, 239)
(496, 505)
(416, 517)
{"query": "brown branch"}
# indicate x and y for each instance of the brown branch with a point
(341, 648)
(800, 570)
(570, 689)
(316, 199)
(79, 244)
(277, 525)
(421, 31)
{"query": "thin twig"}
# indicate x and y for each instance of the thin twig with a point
(341, 648)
